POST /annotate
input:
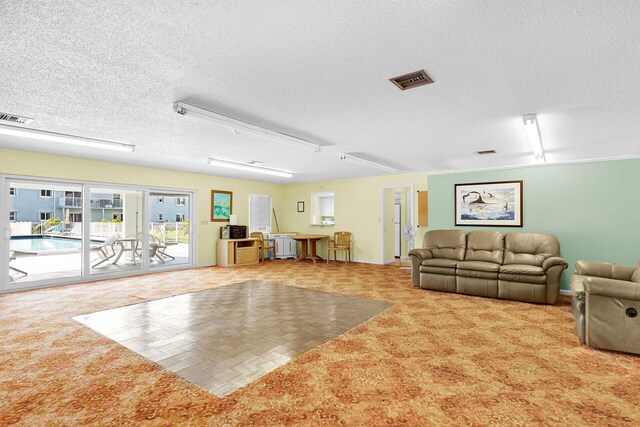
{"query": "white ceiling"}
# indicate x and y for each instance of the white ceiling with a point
(319, 71)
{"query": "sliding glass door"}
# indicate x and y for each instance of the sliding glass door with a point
(169, 228)
(58, 232)
(116, 229)
(45, 231)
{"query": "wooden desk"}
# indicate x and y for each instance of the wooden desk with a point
(308, 246)
(237, 252)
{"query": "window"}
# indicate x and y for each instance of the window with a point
(13, 191)
(75, 217)
(76, 194)
(13, 216)
(322, 208)
(180, 201)
(260, 214)
(45, 215)
(180, 217)
(46, 194)
(160, 200)
(161, 217)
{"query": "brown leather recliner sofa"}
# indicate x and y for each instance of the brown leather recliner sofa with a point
(516, 266)
(606, 305)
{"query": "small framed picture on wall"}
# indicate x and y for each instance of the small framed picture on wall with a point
(221, 205)
(300, 206)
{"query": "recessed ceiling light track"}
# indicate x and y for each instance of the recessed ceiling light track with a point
(185, 109)
(249, 168)
(64, 138)
(363, 162)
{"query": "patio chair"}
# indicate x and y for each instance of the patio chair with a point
(104, 250)
(162, 246)
(12, 257)
(153, 248)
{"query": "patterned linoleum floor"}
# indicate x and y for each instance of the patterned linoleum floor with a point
(431, 359)
(224, 338)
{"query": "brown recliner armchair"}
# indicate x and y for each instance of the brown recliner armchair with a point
(606, 305)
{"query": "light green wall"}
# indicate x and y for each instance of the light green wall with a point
(593, 208)
(16, 162)
(357, 209)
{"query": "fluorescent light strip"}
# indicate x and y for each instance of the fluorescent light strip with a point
(249, 168)
(531, 127)
(358, 160)
(228, 122)
(64, 138)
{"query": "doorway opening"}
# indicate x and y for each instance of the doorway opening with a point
(396, 223)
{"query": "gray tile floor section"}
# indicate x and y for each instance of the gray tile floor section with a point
(222, 339)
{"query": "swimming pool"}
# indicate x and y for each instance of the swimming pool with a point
(39, 244)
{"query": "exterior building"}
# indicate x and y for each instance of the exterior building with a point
(168, 209)
(35, 206)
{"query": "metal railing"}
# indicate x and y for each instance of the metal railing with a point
(76, 202)
(106, 203)
(70, 202)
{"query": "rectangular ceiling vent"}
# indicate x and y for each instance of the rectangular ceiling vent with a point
(485, 152)
(411, 80)
(12, 118)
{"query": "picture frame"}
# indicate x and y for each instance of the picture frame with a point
(221, 205)
(489, 204)
(300, 206)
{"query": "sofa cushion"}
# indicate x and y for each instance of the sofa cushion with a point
(477, 274)
(523, 278)
(438, 270)
(450, 244)
(524, 269)
(440, 262)
(529, 248)
(478, 265)
(485, 245)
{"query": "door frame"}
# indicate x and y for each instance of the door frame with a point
(410, 214)
(85, 276)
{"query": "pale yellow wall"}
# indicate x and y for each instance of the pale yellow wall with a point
(42, 165)
(357, 201)
(357, 209)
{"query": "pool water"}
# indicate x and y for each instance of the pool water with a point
(39, 244)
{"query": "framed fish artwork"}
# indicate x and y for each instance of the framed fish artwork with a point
(490, 204)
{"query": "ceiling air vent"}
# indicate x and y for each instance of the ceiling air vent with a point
(411, 80)
(485, 152)
(12, 118)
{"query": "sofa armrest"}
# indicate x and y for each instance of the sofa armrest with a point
(417, 256)
(604, 269)
(422, 254)
(553, 261)
(612, 288)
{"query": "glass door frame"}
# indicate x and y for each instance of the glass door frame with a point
(6, 286)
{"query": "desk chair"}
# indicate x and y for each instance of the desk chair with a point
(341, 242)
(262, 244)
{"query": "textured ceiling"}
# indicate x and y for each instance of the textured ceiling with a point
(320, 70)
